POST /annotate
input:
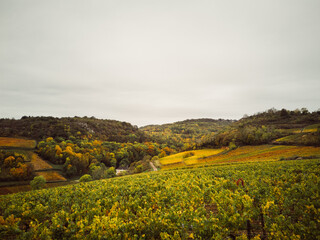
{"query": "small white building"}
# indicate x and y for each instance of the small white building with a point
(120, 170)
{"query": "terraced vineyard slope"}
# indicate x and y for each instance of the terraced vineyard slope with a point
(241, 154)
(189, 158)
(308, 135)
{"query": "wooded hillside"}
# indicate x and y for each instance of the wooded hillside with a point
(71, 127)
(267, 127)
(185, 134)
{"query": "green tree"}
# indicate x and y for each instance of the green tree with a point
(110, 173)
(97, 171)
(113, 162)
(232, 145)
(85, 178)
(38, 182)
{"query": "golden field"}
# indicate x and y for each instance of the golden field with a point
(17, 143)
(243, 154)
(51, 176)
(179, 160)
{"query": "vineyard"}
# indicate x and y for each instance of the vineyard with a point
(260, 200)
(241, 154)
(189, 157)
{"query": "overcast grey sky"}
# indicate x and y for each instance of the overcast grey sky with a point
(150, 62)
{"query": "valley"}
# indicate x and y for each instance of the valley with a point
(255, 178)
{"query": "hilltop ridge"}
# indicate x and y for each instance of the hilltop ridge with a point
(67, 127)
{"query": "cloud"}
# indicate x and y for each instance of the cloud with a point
(151, 62)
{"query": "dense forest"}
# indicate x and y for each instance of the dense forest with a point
(40, 128)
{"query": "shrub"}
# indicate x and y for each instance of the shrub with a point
(97, 171)
(188, 154)
(232, 146)
(38, 182)
(138, 169)
(110, 173)
(155, 158)
(85, 178)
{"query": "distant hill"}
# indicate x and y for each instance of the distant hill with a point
(282, 119)
(269, 127)
(261, 128)
(42, 127)
(185, 134)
